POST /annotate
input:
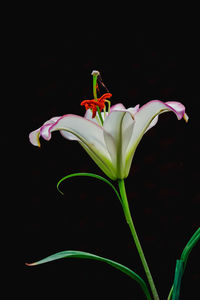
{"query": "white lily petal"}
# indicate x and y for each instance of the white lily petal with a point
(117, 129)
(180, 109)
(105, 166)
(153, 123)
(88, 116)
(143, 121)
(44, 130)
(90, 136)
(34, 135)
(69, 136)
(118, 106)
(134, 110)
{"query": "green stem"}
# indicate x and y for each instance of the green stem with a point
(135, 237)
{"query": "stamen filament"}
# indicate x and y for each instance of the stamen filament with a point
(98, 120)
(109, 103)
(104, 110)
(100, 116)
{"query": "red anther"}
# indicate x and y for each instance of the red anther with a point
(105, 96)
(92, 104)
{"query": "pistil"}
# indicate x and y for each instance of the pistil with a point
(96, 105)
(95, 74)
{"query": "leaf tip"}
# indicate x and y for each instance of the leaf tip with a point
(59, 189)
(31, 264)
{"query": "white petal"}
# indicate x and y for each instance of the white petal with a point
(44, 130)
(118, 106)
(34, 135)
(143, 121)
(118, 128)
(153, 123)
(134, 110)
(90, 136)
(84, 129)
(69, 136)
(88, 116)
(179, 108)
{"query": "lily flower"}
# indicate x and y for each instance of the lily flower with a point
(112, 144)
(109, 137)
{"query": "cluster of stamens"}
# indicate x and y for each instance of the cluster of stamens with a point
(93, 104)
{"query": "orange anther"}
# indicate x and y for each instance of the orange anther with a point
(92, 104)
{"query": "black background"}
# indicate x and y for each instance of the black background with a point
(163, 185)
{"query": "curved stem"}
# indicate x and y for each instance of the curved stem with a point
(135, 237)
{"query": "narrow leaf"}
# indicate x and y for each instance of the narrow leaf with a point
(190, 245)
(85, 255)
(88, 175)
(177, 280)
(181, 265)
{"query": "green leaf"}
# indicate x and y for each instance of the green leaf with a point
(181, 265)
(177, 279)
(190, 245)
(85, 255)
(89, 175)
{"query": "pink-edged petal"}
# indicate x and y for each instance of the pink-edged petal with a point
(179, 108)
(117, 129)
(121, 107)
(84, 129)
(43, 130)
(34, 137)
(134, 110)
(86, 132)
(143, 121)
(90, 136)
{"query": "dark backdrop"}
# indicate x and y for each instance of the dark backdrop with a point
(163, 185)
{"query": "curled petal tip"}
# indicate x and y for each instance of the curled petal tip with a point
(185, 117)
(30, 265)
(34, 138)
(38, 142)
